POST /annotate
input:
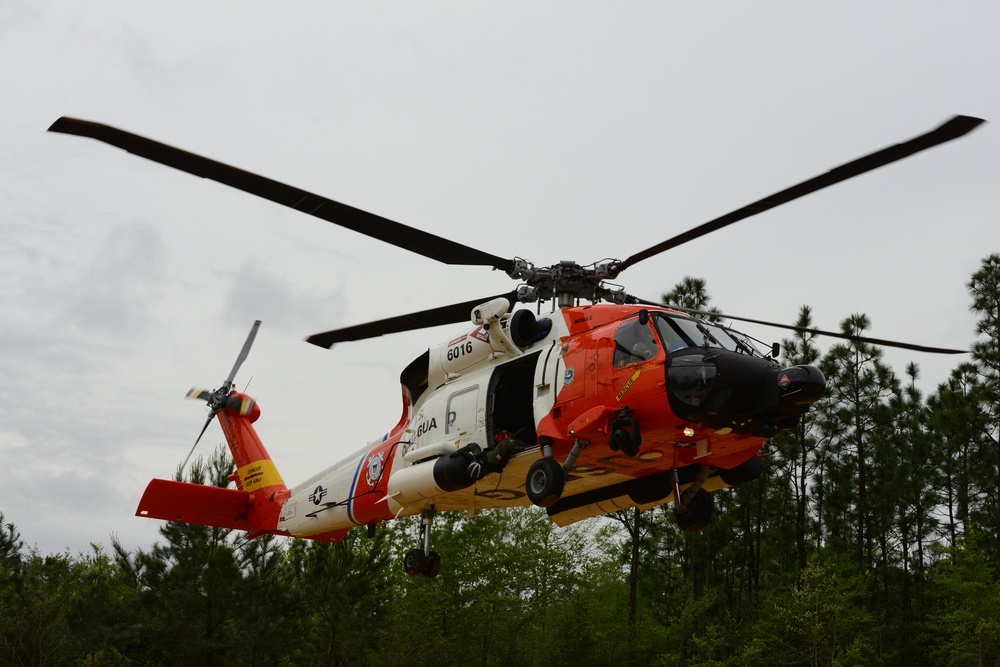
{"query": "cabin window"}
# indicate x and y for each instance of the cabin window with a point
(634, 343)
(462, 409)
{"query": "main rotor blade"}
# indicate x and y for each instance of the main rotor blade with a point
(243, 355)
(819, 332)
(457, 312)
(369, 224)
(952, 129)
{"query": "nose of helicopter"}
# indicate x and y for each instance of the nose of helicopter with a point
(801, 385)
(747, 394)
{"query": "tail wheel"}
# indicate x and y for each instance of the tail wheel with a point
(545, 482)
(696, 512)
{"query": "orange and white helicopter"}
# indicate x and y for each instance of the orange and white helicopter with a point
(604, 402)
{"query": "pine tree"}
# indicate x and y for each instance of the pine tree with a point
(692, 293)
(796, 451)
(957, 420)
(858, 385)
(189, 588)
(913, 480)
(984, 287)
(341, 592)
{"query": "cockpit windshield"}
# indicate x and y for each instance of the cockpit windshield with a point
(679, 332)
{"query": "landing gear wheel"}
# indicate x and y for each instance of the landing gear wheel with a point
(432, 565)
(545, 482)
(696, 512)
(414, 562)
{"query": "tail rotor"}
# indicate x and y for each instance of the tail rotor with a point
(217, 399)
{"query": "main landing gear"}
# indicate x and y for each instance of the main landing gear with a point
(423, 561)
(693, 507)
(546, 478)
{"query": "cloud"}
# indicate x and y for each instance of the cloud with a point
(257, 294)
(122, 280)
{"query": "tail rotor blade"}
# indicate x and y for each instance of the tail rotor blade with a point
(199, 393)
(243, 354)
(216, 398)
(204, 428)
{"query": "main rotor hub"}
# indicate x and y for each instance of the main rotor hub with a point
(566, 282)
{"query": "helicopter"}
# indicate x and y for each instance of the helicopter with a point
(601, 401)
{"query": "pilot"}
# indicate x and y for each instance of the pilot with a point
(633, 344)
(643, 350)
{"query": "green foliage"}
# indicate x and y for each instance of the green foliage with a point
(859, 385)
(11, 546)
(822, 619)
(341, 593)
(965, 623)
(509, 582)
(984, 287)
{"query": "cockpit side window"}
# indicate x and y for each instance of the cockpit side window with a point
(672, 336)
(634, 343)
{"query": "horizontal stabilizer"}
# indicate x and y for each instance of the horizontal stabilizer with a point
(196, 503)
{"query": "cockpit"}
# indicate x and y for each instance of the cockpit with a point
(635, 342)
(679, 332)
(717, 376)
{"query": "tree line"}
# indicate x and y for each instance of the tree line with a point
(873, 537)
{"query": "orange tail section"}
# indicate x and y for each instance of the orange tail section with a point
(196, 503)
(254, 505)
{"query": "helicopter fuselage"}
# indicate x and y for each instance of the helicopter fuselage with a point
(591, 409)
(615, 394)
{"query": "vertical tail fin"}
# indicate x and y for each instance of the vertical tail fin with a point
(255, 471)
(260, 492)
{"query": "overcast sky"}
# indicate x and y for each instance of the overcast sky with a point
(549, 131)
